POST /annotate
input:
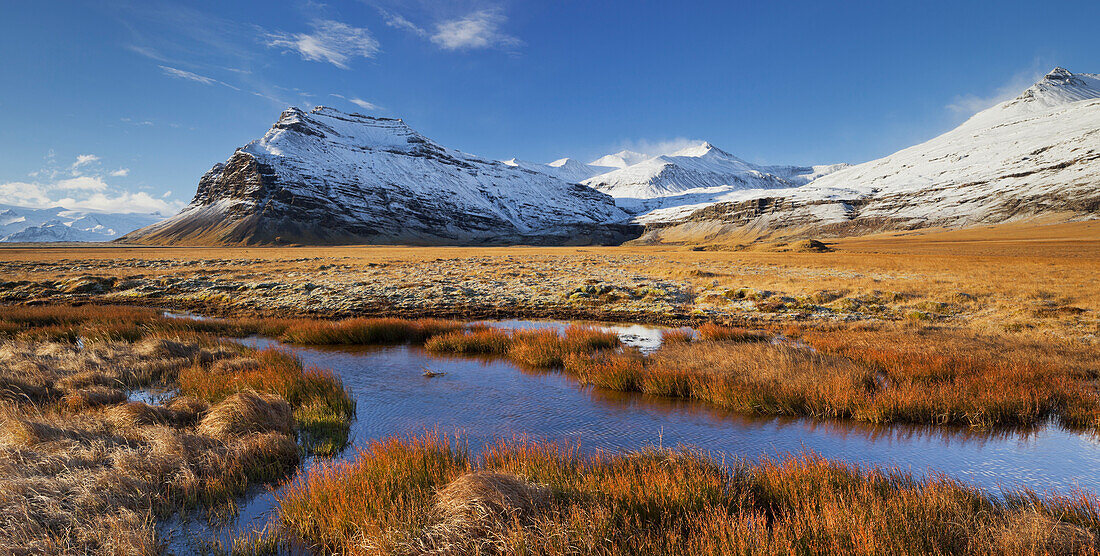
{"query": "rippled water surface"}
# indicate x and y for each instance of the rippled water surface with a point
(488, 400)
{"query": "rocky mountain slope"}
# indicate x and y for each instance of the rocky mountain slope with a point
(326, 177)
(1035, 155)
(21, 224)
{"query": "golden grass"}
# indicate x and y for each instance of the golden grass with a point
(92, 477)
(247, 412)
(362, 331)
(716, 333)
(677, 336)
(427, 495)
(542, 349)
(322, 407)
(84, 471)
(886, 375)
(482, 341)
(1030, 278)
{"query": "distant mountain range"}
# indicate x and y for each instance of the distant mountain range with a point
(21, 224)
(324, 176)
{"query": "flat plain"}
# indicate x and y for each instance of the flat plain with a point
(1029, 279)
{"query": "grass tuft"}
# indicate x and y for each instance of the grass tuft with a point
(425, 495)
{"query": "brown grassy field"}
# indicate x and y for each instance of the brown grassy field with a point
(1032, 279)
(984, 328)
(84, 470)
(427, 495)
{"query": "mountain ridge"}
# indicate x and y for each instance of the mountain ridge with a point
(326, 176)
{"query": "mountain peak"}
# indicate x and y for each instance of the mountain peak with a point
(1057, 88)
(1061, 86)
(702, 149)
(1057, 74)
(621, 159)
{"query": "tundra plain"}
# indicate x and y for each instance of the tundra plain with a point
(983, 328)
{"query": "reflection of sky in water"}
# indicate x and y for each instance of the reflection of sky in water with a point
(644, 337)
(488, 400)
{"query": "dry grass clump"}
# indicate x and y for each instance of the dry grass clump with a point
(677, 336)
(715, 333)
(547, 349)
(479, 511)
(322, 408)
(140, 414)
(93, 396)
(83, 472)
(481, 341)
(541, 349)
(425, 495)
(364, 331)
(247, 412)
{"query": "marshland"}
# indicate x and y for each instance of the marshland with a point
(129, 429)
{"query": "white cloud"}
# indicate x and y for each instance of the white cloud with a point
(84, 160)
(124, 201)
(86, 183)
(970, 104)
(24, 194)
(659, 147)
(398, 21)
(480, 29)
(331, 41)
(120, 173)
(181, 74)
(82, 192)
(364, 104)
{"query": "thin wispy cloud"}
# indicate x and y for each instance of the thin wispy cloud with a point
(189, 76)
(181, 74)
(364, 104)
(119, 173)
(398, 21)
(970, 104)
(659, 146)
(330, 41)
(478, 30)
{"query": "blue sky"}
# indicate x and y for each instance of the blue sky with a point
(120, 105)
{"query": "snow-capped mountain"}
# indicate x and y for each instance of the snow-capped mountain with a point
(621, 159)
(324, 176)
(22, 224)
(695, 176)
(1037, 154)
(566, 169)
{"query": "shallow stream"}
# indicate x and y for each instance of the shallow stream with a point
(487, 400)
